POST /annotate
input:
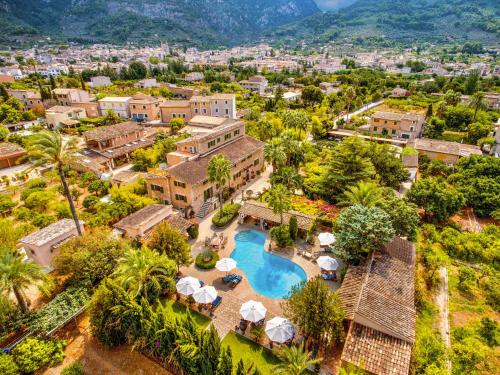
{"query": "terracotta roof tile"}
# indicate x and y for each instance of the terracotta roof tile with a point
(112, 131)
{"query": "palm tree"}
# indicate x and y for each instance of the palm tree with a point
(477, 102)
(365, 193)
(287, 176)
(16, 275)
(280, 200)
(349, 96)
(48, 147)
(219, 172)
(294, 361)
(274, 153)
(142, 271)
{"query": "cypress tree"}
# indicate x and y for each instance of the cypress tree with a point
(429, 111)
(53, 85)
(210, 351)
(293, 227)
(3, 93)
(225, 366)
(240, 370)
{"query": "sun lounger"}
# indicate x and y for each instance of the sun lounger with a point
(231, 278)
(235, 281)
(329, 276)
(216, 302)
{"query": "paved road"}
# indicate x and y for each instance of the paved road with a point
(363, 109)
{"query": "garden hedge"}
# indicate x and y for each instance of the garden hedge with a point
(229, 212)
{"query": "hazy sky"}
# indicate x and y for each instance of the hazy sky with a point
(333, 4)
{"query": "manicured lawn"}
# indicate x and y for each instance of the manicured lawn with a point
(176, 309)
(242, 348)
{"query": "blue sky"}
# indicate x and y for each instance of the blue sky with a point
(333, 4)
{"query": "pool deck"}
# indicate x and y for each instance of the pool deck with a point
(227, 315)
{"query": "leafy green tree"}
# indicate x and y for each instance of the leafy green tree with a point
(318, 131)
(280, 200)
(99, 187)
(434, 128)
(478, 130)
(4, 95)
(225, 366)
(347, 167)
(452, 97)
(219, 172)
(210, 351)
(404, 216)
(281, 235)
(274, 153)
(287, 176)
(176, 124)
(6, 204)
(437, 198)
(365, 193)
(137, 70)
(4, 133)
(145, 273)
(169, 241)
(90, 258)
(76, 368)
(296, 119)
(320, 322)
(361, 230)
(477, 102)
(294, 361)
(240, 368)
(110, 118)
(428, 113)
(312, 95)
(16, 275)
(48, 147)
(472, 82)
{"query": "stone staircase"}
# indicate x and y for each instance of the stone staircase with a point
(206, 208)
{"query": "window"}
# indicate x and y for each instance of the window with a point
(227, 111)
(375, 128)
(173, 115)
(225, 102)
(179, 183)
(133, 106)
(393, 131)
(216, 102)
(412, 129)
(218, 140)
(196, 110)
(143, 107)
(236, 175)
(204, 110)
(216, 110)
(156, 188)
(256, 162)
(211, 143)
(227, 136)
(166, 201)
(237, 131)
(205, 182)
(179, 197)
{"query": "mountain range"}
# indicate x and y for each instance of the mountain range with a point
(214, 23)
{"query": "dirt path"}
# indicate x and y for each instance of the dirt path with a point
(444, 313)
(97, 359)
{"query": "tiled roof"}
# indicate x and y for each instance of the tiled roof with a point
(49, 233)
(410, 161)
(195, 171)
(382, 290)
(10, 149)
(143, 98)
(376, 352)
(141, 216)
(175, 103)
(108, 132)
(64, 109)
(394, 116)
(445, 147)
(126, 148)
(262, 211)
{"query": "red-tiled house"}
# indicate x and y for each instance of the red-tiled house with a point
(378, 298)
(10, 154)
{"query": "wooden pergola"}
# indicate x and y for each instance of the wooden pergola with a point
(260, 211)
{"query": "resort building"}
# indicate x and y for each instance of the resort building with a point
(397, 125)
(64, 116)
(10, 153)
(30, 99)
(41, 245)
(183, 182)
(110, 146)
(117, 104)
(182, 92)
(67, 97)
(257, 84)
(378, 299)
(449, 152)
(140, 224)
(144, 107)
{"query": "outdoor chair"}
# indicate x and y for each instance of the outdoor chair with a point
(216, 302)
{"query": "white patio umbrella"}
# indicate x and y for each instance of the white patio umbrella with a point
(327, 263)
(279, 330)
(187, 285)
(225, 264)
(326, 239)
(205, 294)
(253, 311)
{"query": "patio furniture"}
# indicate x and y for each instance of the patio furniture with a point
(329, 276)
(216, 302)
(230, 278)
(206, 294)
(326, 239)
(235, 281)
(307, 254)
(225, 264)
(188, 285)
(280, 330)
(327, 263)
(253, 311)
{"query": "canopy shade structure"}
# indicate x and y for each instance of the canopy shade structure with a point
(253, 311)
(205, 294)
(279, 330)
(326, 239)
(225, 264)
(327, 263)
(188, 285)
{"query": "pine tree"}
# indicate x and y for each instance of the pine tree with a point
(210, 351)
(294, 228)
(225, 366)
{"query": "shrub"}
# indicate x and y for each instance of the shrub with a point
(7, 365)
(23, 213)
(42, 221)
(229, 212)
(90, 201)
(39, 200)
(27, 192)
(36, 183)
(99, 187)
(281, 235)
(193, 231)
(34, 353)
(206, 260)
(73, 369)
(6, 203)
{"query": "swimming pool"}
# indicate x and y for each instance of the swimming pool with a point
(270, 275)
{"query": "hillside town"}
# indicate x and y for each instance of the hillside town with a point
(251, 210)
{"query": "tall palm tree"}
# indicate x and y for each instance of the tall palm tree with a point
(294, 361)
(349, 96)
(219, 172)
(16, 275)
(275, 153)
(477, 102)
(280, 200)
(143, 271)
(48, 147)
(365, 193)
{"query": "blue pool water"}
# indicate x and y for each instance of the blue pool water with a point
(270, 275)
